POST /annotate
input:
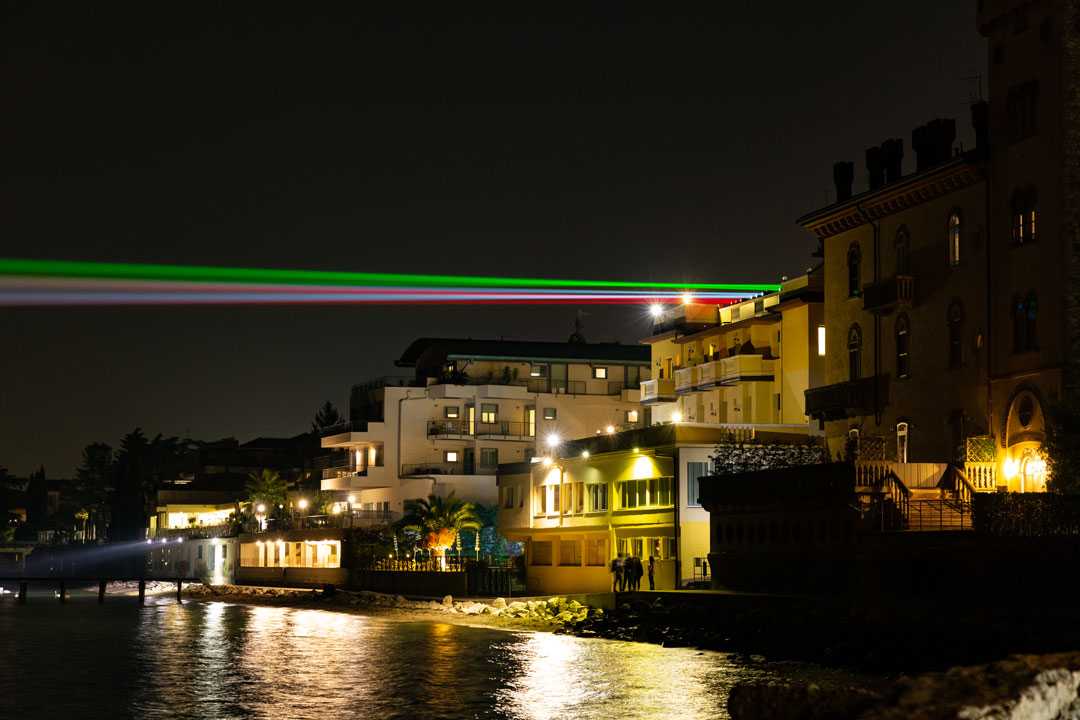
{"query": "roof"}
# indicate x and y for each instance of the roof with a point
(523, 350)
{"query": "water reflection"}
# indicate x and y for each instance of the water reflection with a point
(230, 661)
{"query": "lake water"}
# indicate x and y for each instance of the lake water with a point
(218, 660)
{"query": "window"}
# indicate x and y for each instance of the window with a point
(541, 500)
(633, 376)
(596, 553)
(569, 552)
(1024, 216)
(550, 413)
(599, 373)
(489, 413)
(598, 497)
(655, 492)
(956, 340)
(953, 239)
(450, 456)
(903, 252)
(854, 263)
(1025, 322)
(200, 552)
(538, 371)
(1022, 108)
(901, 442)
(903, 347)
(530, 421)
(553, 505)
(631, 416)
(854, 345)
(541, 552)
(489, 457)
(508, 497)
(451, 412)
(694, 471)
(821, 340)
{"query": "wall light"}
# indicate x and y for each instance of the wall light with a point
(302, 504)
(553, 440)
(676, 417)
(585, 454)
(656, 310)
(610, 429)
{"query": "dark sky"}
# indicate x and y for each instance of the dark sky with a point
(605, 145)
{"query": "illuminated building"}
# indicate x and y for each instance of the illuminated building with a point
(950, 319)
(470, 406)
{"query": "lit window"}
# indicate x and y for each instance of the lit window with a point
(903, 347)
(451, 411)
(550, 413)
(598, 497)
(821, 340)
(538, 371)
(631, 416)
(600, 373)
(450, 456)
(954, 239)
(901, 442)
(489, 413)
(569, 552)
(1025, 215)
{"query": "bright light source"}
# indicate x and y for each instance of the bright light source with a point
(352, 499)
(302, 504)
(585, 454)
(676, 417)
(179, 539)
(637, 450)
(1012, 468)
(148, 541)
(610, 429)
(553, 440)
(335, 509)
(260, 508)
(687, 298)
(656, 310)
(821, 340)
(546, 462)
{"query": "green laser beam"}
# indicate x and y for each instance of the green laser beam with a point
(145, 271)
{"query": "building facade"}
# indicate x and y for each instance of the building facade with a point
(949, 291)
(471, 406)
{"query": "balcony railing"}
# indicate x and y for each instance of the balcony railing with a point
(344, 427)
(847, 399)
(889, 294)
(724, 371)
(446, 468)
(506, 429)
(660, 390)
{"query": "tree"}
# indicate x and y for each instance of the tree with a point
(1062, 448)
(438, 520)
(89, 499)
(267, 488)
(325, 417)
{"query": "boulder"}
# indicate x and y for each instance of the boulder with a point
(498, 603)
(448, 600)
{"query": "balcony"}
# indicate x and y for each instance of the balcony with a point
(657, 391)
(686, 379)
(847, 399)
(353, 478)
(888, 295)
(499, 430)
(446, 468)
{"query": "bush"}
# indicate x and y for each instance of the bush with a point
(1026, 514)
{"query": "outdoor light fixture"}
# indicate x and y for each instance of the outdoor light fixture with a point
(553, 440)
(351, 499)
(610, 429)
(585, 454)
(637, 450)
(676, 417)
(302, 504)
(260, 508)
(687, 298)
(546, 462)
(656, 310)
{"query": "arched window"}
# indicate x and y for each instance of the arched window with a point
(1031, 319)
(854, 263)
(901, 442)
(953, 238)
(854, 349)
(955, 319)
(903, 347)
(1025, 215)
(903, 252)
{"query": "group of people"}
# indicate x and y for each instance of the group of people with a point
(627, 571)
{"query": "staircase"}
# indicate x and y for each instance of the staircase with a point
(939, 502)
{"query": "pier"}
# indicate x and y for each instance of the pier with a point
(62, 584)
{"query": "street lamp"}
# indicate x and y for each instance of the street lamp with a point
(302, 503)
(656, 310)
(553, 440)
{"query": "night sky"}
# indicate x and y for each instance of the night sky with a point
(608, 145)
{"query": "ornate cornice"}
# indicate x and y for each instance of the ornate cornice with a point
(913, 190)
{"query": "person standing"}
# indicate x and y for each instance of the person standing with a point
(652, 570)
(639, 572)
(617, 573)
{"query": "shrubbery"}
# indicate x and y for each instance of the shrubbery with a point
(1026, 514)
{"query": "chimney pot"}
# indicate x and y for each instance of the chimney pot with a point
(843, 174)
(875, 168)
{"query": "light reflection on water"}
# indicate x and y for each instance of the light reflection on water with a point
(232, 661)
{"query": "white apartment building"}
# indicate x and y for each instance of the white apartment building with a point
(471, 405)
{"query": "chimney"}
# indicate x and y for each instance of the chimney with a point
(843, 175)
(892, 151)
(933, 142)
(874, 167)
(980, 120)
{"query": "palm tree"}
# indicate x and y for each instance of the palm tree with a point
(266, 487)
(438, 520)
